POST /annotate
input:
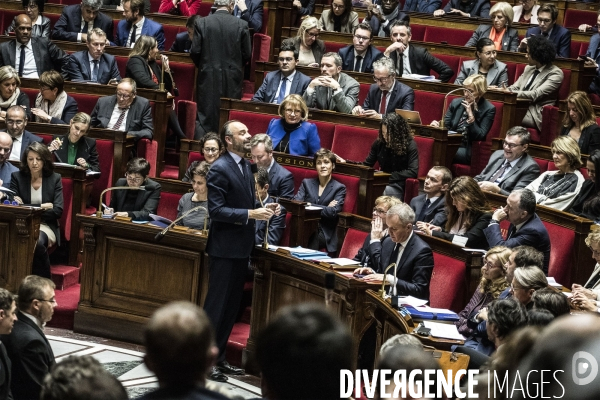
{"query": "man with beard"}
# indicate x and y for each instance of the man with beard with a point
(136, 24)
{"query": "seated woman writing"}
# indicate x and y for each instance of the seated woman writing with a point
(53, 105)
(199, 197)
(135, 204)
(76, 148)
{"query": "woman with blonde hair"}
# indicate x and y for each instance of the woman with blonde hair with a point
(10, 94)
(76, 148)
(291, 133)
(310, 47)
(468, 212)
(558, 189)
(500, 32)
(580, 122)
(526, 12)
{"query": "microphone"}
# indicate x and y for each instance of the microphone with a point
(56, 154)
(99, 212)
(162, 233)
(329, 286)
(465, 90)
(382, 290)
(254, 170)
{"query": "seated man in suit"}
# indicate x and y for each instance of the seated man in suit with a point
(411, 59)
(277, 222)
(93, 64)
(430, 207)
(250, 11)
(361, 54)
(16, 121)
(560, 36)
(124, 112)
(183, 40)
(285, 81)
(8, 316)
(511, 168)
(422, 6)
(333, 90)
(136, 24)
(6, 168)
(27, 345)
(382, 16)
(78, 19)
(118, 5)
(413, 257)
(526, 228)
(281, 181)
(39, 53)
(370, 253)
(386, 94)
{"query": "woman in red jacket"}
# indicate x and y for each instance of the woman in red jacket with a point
(185, 8)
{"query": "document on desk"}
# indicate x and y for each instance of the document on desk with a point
(444, 331)
(343, 261)
(411, 301)
(312, 208)
(552, 282)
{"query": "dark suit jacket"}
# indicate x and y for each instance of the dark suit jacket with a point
(589, 140)
(560, 36)
(139, 118)
(69, 111)
(47, 55)
(369, 254)
(149, 28)
(5, 367)
(138, 69)
(435, 213)
(347, 53)
(276, 226)
(510, 40)
(281, 182)
(146, 202)
(253, 14)
(475, 237)
(303, 141)
(415, 267)
(86, 149)
(496, 75)
(27, 139)
(318, 48)
(268, 90)
(183, 393)
(52, 192)
(421, 62)
(182, 43)
(309, 192)
(31, 357)
(42, 30)
(78, 68)
(376, 25)
(480, 9)
(533, 233)
(525, 172)
(230, 196)
(113, 4)
(402, 97)
(69, 24)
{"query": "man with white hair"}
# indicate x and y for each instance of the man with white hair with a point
(413, 258)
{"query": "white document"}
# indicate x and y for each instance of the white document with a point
(312, 208)
(411, 301)
(445, 331)
(552, 282)
(460, 240)
(435, 310)
(343, 261)
(300, 250)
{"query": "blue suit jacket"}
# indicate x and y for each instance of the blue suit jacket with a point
(309, 191)
(149, 28)
(230, 196)
(402, 97)
(268, 90)
(281, 182)
(78, 68)
(415, 267)
(533, 233)
(276, 226)
(182, 43)
(69, 24)
(435, 213)
(481, 8)
(560, 36)
(304, 141)
(592, 50)
(424, 6)
(347, 54)
(253, 15)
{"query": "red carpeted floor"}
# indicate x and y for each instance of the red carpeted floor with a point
(64, 313)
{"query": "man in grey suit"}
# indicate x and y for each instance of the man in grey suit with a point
(285, 81)
(430, 207)
(16, 121)
(511, 168)
(30, 56)
(220, 49)
(333, 90)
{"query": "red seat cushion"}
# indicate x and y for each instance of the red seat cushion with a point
(326, 130)
(561, 252)
(184, 74)
(171, 32)
(261, 46)
(352, 184)
(106, 153)
(204, 9)
(511, 69)
(574, 18)
(194, 156)
(167, 205)
(300, 174)
(68, 212)
(452, 61)
(543, 164)
(353, 143)
(285, 237)
(448, 283)
(85, 102)
(425, 147)
(418, 32)
(564, 89)
(352, 243)
(437, 34)
(334, 46)
(429, 106)
(363, 91)
(256, 123)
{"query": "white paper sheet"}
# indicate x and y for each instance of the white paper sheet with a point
(343, 261)
(441, 330)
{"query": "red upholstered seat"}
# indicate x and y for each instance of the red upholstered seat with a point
(583, 48)
(300, 174)
(594, 98)
(549, 125)
(195, 156)
(261, 45)
(148, 149)
(564, 89)
(85, 102)
(353, 143)
(68, 212)
(425, 146)
(186, 115)
(46, 138)
(106, 152)
(167, 205)
(52, 17)
(574, 18)
(452, 61)
(417, 32)
(154, 5)
(437, 34)
(429, 105)
(552, 167)
(511, 68)
(122, 64)
(575, 49)
(561, 251)
(334, 46)
(326, 130)
(363, 91)
(256, 123)
(352, 242)
(7, 18)
(184, 75)
(171, 32)
(204, 9)
(543, 164)
(448, 283)
(285, 237)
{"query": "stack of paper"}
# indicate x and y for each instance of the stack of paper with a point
(444, 331)
(552, 282)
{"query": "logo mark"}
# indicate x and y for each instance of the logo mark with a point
(584, 368)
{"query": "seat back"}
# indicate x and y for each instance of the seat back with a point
(148, 149)
(352, 243)
(543, 164)
(561, 251)
(194, 156)
(105, 149)
(352, 184)
(438, 34)
(256, 123)
(353, 143)
(67, 215)
(448, 283)
(261, 46)
(167, 205)
(363, 92)
(429, 106)
(425, 146)
(574, 18)
(326, 131)
(334, 46)
(452, 61)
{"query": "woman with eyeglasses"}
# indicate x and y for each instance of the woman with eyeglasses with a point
(40, 25)
(311, 48)
(135, 204)
(212, 148)
(485, 64)
(292, 133)
(53, 105)
(580, 122)
(76, 148)
(339, 17)
(199, 197)
(525, 282)
(37, 184)
(526, 12)
(10, 94)
(500, 33)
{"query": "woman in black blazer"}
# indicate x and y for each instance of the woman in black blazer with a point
(580, 122)
(36, 183)
(75, 148)
(135, 204)
(310, 47)
(147, 74)
(468, 211)
(34, 10)
(500, 32)
(327, 194)
(53, 105)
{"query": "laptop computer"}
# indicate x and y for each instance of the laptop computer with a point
(412, 117)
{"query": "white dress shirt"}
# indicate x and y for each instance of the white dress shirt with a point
(90, 27)
(15, 153)
(30, 69)
(115, 116)
(138, 32)
(392, 279)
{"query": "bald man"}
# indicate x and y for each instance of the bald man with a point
(6, 168)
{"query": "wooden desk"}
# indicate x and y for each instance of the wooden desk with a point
(19, 231)
(126, 275)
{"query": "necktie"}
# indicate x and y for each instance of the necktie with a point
(282, 89)
(394, 259)
(358, 63)
(535, 74)
(405, 64)
(242, 166)
(383, 104)
(545, 34)
(22, 61)
(120, 120)
(500, 172)
(424, 210)
(84, 29)
(95, 71)
(133, 31)
(591, 283)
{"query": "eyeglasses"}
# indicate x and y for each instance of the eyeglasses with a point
(378, 211)
(498, 16)
(381, 80)
(313, 35)
(363, 38)
(594, 252)
(490, 265)
(15, 122)
(284, 59)
(134, 178)
(289, 111)
(124, 96)
(544, 20)
(338, 7)
(490, 53)
(44, 88)
(210, 150)
(51, 301)
(510, 145)
(31, 7)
